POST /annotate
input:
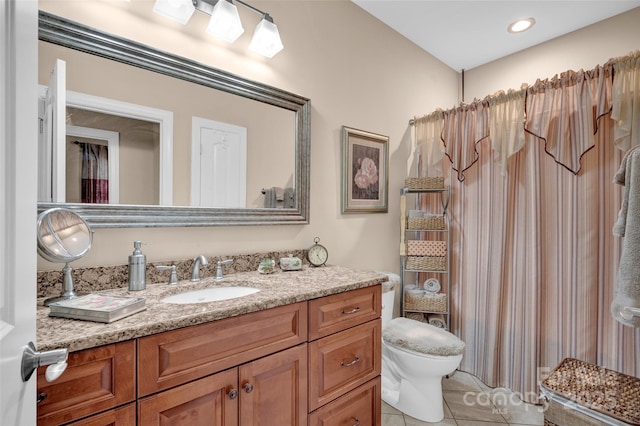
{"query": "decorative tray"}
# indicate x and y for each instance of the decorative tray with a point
(97, 307)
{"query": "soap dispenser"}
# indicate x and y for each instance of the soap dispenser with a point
(137, 268)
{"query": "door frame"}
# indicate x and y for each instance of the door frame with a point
(164, 119)
(18, 190)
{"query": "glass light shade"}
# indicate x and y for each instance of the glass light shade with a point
(266, 40)
(225, 22)
(178, 10)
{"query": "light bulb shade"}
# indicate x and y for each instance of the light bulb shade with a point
(266, 40)
(178, 10)
(225, 22)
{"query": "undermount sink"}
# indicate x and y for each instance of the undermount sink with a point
(206, 295)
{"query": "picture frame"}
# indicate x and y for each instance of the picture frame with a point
(365, 171)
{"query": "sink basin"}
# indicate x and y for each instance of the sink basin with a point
(210, 295)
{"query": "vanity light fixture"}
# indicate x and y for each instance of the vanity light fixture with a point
(521, 25)
(225, 21)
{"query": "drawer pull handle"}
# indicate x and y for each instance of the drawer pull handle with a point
(248, 387)
(357, 423)
(41, 397)
(233, 393)
(353, 311)
(349, 364)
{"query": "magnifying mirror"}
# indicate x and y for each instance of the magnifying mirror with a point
(63, 236)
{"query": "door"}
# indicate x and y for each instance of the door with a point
(51, 141)
(18, 187)
(218, 164)
(273, 390)
(210, 401)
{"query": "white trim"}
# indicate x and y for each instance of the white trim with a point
(113, 144)
(164, 119)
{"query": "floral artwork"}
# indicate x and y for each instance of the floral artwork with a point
(365, 157)
(365, 178)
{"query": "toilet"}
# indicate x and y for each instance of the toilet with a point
(415, 357)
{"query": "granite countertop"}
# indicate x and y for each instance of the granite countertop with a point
(276, 289)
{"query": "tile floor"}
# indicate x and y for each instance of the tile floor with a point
(469, 402)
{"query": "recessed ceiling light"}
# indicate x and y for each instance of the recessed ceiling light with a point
(521, 25)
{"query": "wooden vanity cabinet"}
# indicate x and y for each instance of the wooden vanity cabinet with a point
(268, 391)
(345, 358)
(96, 379)
(261, 368)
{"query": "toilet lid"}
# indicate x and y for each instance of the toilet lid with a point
(421, 337)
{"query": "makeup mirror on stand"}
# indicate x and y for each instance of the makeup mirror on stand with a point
(63, 236)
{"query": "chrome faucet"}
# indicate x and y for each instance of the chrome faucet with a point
(219, 274)
(195, 273)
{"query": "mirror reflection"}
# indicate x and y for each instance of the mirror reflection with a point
(227, 151)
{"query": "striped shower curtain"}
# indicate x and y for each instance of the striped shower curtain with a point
(534, 258)
(95, 173)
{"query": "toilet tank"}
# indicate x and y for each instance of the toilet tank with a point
(387, 305)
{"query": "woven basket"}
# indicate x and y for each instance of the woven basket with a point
(425, 263)
(428, 302)
(426, 248)
(595, 388)
(424, 182)
(434, 222)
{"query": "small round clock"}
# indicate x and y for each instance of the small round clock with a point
(317, 254)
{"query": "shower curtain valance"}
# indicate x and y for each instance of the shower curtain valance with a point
(562, 112)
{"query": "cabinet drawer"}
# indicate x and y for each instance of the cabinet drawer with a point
(361, 406)
(95, 380)
(123, 416)
(334, 313)
(176, 357)
(343, 361)
(207, 401)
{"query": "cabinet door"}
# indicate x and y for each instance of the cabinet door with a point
(95, 380)
(211, 401)
(273, 390)
(123, 416)
(361, 407)
(343, 361)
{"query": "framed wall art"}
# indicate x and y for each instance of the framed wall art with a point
(365, 171)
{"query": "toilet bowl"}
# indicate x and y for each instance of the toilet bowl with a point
(415, 357)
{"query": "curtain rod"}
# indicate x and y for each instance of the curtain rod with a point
(634, 55)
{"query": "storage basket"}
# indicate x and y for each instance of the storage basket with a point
(433, 222)
(431, 302)
(601, 394)
(427, 248)
(425, 263)
(424, 182)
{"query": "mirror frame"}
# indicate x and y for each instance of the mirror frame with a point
(67, 33)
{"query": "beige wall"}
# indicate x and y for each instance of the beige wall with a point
(356, 71)
(582, 49)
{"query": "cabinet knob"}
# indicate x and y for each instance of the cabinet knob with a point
(353, 311)
(349, 364)
(357, 421)
(233, 393)
(248, 387)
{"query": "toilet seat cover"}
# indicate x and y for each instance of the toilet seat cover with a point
(421, 337)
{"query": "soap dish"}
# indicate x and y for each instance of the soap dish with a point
(267, 266)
